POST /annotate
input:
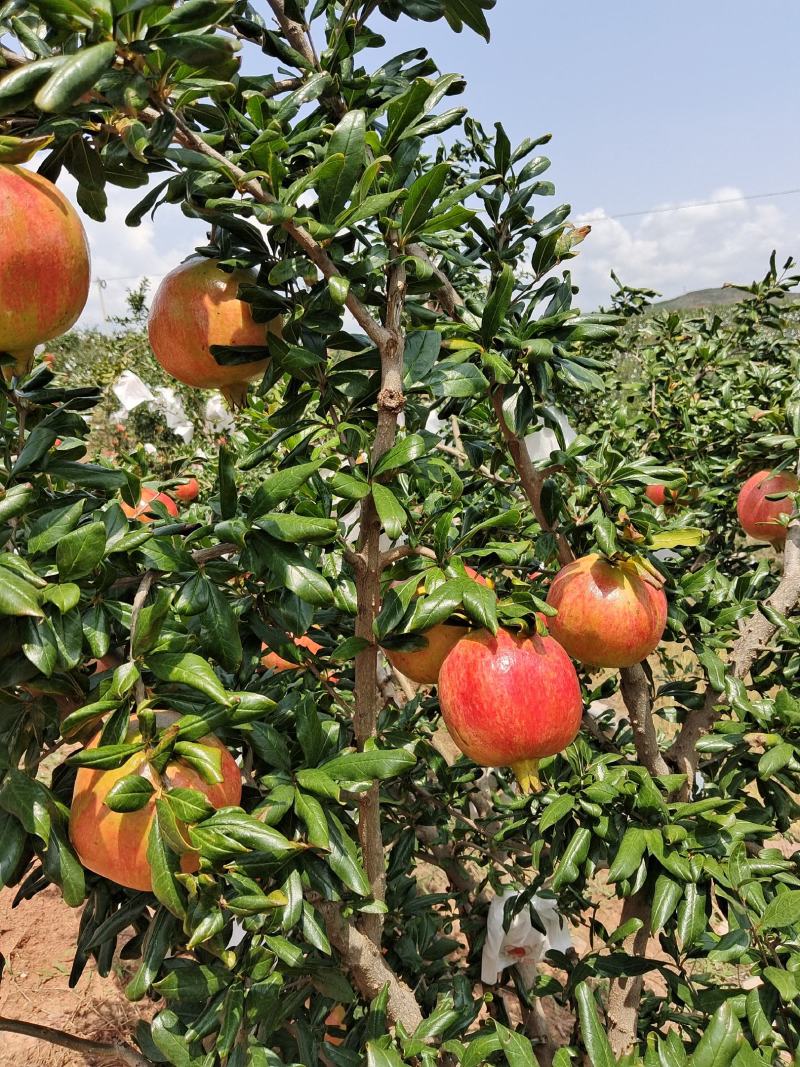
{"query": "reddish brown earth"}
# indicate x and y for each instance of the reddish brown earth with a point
(36, 940)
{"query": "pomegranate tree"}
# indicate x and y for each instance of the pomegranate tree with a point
(305, 854)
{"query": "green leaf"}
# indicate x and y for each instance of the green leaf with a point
(151, 619)
(348, 141)
(12, 846)
(188, 805)
(28, 801)
(480, 604)
(375, 763)
(688, 537)
(297, 573)
(517, 1047)
(221, 625)
(205, 759)
(391, 513)
(164, 866)
(40, 645)
(62, 867)
(293, 529)
(421, 351)
(278, 487)
(65, 596)
(606, 536)
(782, 911)
(75, 76)
(629, 854)
(378, 1056)
(343, 859)
(775, 759)
(784, 981)
(719, 1043)
(18, 597)
(312, 813)
(50, 528)
(401, 454)
(422, 195)
(129, 793)
(593, 1033)
(666, 897)
(186, 668)
(497, 305)
(555, 812)
(460, 380)
(79, 552)
(348, 486)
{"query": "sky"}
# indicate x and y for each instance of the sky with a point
(651, 107)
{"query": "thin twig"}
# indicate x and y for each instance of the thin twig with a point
(145, 586)
(392, 555)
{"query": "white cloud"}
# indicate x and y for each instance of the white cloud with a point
(123, 255)
(678, 251)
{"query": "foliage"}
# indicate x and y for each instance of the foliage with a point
(415, 275)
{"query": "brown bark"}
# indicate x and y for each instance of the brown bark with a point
(636, 693)
(369, 970)
(625, 993)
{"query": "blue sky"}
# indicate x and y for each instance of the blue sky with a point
(650, 106)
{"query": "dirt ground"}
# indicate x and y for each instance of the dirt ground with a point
(36, 939)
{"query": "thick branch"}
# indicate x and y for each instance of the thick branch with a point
(123, 1053)
(625, 993)
(448, 296)
(369, 970)
(753, 639)
(531, 479)
(294, 32)
(636, 694)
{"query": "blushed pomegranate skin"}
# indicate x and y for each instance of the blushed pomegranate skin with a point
(757, 514)
(422, 665)
(607, 615)
(189, 491)
(141, 511)
(44, 263)
(509, 699)
(114, 844)
(657, 494)
(196, 306)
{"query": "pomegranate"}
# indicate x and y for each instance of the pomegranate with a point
(196, 306)
(44, 264)
(659, 494)
(757, 514)
(608, 616)
(422, 665)
(114, 844)
(189, 491)
(142, 509)
(510, 700)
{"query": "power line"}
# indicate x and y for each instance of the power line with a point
(689, 207)
(602, 218)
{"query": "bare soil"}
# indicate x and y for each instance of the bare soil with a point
(36, 940)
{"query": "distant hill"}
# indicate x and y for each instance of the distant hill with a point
(705, 298)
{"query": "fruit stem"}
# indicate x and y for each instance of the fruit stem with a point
(527, 775)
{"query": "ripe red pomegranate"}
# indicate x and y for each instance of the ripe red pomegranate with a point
(44, 263)
(277, 663)
(510, 700)
(142, 509)
(189, 491)
(114, 844)
(423, 664)
(757, 514)
(658, 494)
(197, 306)
(608, 616)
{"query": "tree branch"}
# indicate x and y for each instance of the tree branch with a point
(145, 586)
(636, 694)
(190, 139)
(294, 32)
(124, 1053)
(392, 555)
(531, 479)
(369, 970)
(625, 993)
(368, 586)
